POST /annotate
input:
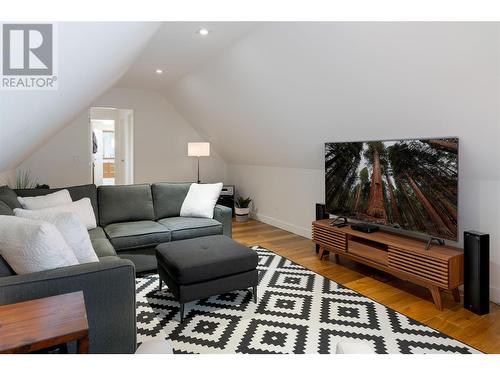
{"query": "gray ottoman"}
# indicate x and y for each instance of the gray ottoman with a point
(202, 267)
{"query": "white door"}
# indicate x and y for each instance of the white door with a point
(124, 161)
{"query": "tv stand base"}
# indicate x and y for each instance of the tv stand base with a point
(440, 268)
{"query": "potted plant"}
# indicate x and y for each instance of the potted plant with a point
(242, 208)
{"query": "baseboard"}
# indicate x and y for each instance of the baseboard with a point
(495, 294)
(304, 232)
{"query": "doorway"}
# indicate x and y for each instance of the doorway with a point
(112, 147)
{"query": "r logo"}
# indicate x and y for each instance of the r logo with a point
(27, 49)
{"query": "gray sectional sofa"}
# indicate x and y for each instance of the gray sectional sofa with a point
(132, 220)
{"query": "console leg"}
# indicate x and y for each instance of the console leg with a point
(160, 285)
(436, 296)
(456, 294)
(321, 252)
(317, 249)
(255, 294)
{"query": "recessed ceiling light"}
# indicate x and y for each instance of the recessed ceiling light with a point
(159, 71)
(203, 32)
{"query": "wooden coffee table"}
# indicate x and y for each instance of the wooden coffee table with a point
(44, 323)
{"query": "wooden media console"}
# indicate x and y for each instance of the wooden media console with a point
(439, 268)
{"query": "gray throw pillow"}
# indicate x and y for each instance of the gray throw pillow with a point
(5, 210)
(9, 197)
(5, 269)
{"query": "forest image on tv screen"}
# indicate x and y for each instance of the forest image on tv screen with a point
(406, 184)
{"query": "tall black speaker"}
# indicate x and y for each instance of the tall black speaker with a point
(477, 272)
(320, 215)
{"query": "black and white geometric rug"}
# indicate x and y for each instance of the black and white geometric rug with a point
(297, 311)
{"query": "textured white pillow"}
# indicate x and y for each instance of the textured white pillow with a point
(71, 228)
(32, 246)
(201, 200)
(45, 201)
(83, 208)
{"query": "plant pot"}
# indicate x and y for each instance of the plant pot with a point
(242, 213)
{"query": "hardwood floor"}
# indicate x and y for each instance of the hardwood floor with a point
(480, 332)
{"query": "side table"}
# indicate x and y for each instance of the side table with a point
(43, 323)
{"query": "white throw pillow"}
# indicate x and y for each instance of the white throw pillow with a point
(83, 208)
(201, 200)
(32, 246)
(71, 228)
(45, 201)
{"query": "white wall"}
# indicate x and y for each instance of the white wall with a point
(160, 154)
(7, 177)
(283, 197)
(269, 103)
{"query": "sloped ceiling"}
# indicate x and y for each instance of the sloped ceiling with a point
(178, 49)
(272, 93)
(91, 58)
(280, 92)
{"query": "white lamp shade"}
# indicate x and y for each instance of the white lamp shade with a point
(198, 149)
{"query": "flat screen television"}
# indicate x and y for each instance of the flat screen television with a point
(409, 184)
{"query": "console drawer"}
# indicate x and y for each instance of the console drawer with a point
(330, 238)
(430, 269)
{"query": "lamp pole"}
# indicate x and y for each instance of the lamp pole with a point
(198, 169)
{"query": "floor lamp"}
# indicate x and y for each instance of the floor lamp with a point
(198, 149)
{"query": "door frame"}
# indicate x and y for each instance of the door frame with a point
(124, 140)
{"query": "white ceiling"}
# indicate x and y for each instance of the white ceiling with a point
(177, 49)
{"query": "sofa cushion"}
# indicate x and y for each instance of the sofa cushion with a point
(190, 227)
(103, 248)
(142, 262)
(9, 197)
(97, 233)
(100, 243)
(119, 204)
(168, 198)
(76, 193)
(206, 258)
(5, 209)
(136, 234)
